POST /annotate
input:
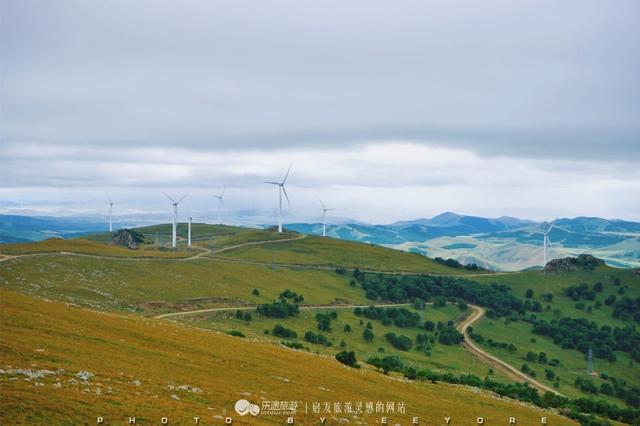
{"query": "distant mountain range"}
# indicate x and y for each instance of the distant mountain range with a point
(504, 243)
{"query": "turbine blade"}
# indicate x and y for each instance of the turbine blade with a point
(183, 197)
(108, 198)
(322, 204)
(273, 183)
(172, 200)
(222, 195)
(287, 175)
(285, 195)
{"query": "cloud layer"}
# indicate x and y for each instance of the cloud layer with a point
(503, 105)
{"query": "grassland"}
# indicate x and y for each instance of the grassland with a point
(138, 364)
(157, 286)
(573, 363)
(82, 246)
(319, 251)
(443, 358)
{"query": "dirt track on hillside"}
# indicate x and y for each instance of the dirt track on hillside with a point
(495, 362)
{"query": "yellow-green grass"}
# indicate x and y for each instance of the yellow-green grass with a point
(171, 285)
(444, 358)
(573, 362)
(134, 360)
(321, 251)
(82, 246)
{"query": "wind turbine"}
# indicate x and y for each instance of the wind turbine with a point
(175, 217)
(324, 213)
(545, 241)
(189, 233)
(110, 211)
(281, 190)
(220, 206)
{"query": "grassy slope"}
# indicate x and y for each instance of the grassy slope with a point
(83, 246)
(120, 284)
(120, 349)
(573, 361)
(443, 359)
(331, 252)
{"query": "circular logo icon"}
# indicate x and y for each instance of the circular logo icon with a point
(243, 407)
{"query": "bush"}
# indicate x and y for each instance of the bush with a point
(236, 333)
(278, 309)
(367, 334)
(450, 336)
(400, 342)
(347, 358)
(281, 331)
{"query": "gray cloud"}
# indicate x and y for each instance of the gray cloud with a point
(521, 79)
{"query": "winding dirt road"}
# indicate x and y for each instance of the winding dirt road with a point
(302, 308)
(495, 362)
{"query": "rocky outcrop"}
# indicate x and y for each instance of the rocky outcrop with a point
(127, 238)
(584, 262)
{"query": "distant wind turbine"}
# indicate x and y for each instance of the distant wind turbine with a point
(189, 233)
(281, 191)
(110, 212)
(324, 214)
(545, 241)
(175, 217)
(220, 206)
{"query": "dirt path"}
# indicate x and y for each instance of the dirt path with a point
(495, 362)
(302, 308)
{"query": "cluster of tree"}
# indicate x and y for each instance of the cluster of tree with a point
(281, 331)
(278, 309)
(620, 389)
(580, 334)
(317, 338)
(494, 344)
(386, 364)
(527, 370)
(324, 320)
(295, 297)
(581, 409)
(452, 263)
(424, 342)
(244, 316)
(400, 342)
(348, 358)
(400, 317)
(405, 288)
(449, 335)
(627, 309)
(582, 291)
(367, 333)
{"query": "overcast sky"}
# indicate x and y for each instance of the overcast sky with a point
(388, 110)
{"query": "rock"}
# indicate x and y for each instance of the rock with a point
(137, 382)
(127, 238)
(84, 375)
(584, 262)
(176, 397)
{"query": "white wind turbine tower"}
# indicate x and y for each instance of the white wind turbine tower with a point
(281, 190)
(175, 217)
(324, 214)
(189, 232)
(545, 241)
(220, 206)
(110, 212)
